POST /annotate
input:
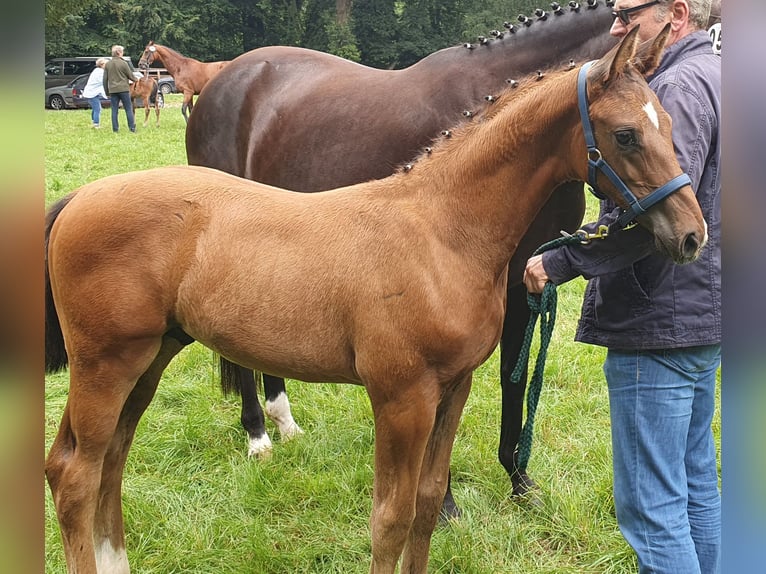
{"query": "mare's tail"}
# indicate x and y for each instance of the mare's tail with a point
(55, 353)
(231, 377)
(231, 381)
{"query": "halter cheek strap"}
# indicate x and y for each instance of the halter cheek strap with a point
(596, 162)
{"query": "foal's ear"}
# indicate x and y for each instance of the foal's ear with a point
(649, 53)
(625, 52)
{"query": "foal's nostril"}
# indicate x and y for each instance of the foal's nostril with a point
(691, 246)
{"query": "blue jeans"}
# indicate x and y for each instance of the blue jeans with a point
(95, 109)
(123, 97)
(665, 475)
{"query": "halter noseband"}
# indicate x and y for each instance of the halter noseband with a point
(597, 162)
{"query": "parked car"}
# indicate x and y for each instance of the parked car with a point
(70, 96)
(62, 97)
(61, 71)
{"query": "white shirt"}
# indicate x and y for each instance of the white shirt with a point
(95, 85)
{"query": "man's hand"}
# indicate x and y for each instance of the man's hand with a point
(535, 276)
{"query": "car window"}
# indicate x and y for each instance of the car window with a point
(53, 68)
(77, 67)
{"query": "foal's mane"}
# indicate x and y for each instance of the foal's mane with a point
(492, 105)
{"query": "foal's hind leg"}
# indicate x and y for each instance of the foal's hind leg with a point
(434, 475)
(84, 465)
(278, 407)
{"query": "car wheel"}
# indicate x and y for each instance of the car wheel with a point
(160, 99)
(56, 102)
(165, 88)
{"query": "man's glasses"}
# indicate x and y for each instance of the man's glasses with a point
(624, 14)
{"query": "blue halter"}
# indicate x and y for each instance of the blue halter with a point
(596, 161)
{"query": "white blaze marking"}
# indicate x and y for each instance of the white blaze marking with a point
(652, 113)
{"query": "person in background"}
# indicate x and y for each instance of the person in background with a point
(94, 91)
(118, 77)
(661, 322)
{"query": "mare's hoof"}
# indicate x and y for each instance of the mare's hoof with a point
(524, 489)
(259, 448)
(449, 512)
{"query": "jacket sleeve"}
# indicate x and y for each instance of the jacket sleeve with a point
(621, 248)
(105, 81)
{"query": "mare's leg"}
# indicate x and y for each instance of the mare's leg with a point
(514, 325)
(187, 106)
(278, 407)
(433, 475)
(450, 510)
(252, 417)
(84, 465)
(404, 417)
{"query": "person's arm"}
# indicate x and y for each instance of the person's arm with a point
(105, 81)
(621, 248)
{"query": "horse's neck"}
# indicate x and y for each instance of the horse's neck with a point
(545, 44)
(482, 189)
(173, 61)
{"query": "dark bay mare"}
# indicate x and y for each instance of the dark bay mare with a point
(407, 295)
(189, 75)
(307, 121)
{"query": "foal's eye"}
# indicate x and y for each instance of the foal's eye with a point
(626, 138)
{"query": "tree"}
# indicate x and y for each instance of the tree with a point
(376, 29)
(328, 30)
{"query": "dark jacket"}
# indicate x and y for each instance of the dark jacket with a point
(117, 76)
(637, 298)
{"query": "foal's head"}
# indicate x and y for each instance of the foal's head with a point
(633, 133)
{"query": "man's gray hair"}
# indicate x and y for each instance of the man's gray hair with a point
(699, 12)
(117, 50)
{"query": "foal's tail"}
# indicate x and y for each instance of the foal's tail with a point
(55, 353)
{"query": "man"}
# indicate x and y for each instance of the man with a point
(661, 322)
(117, 79)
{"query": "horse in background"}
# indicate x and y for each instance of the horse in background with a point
(406, 296)
(308, 121)
(146, 88)
(189, 75)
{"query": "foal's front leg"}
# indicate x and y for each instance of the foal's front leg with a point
(434, 475)
(404, 415)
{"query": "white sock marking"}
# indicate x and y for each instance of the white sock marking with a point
(279, 412)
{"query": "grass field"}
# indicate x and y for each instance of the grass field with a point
(194, 503)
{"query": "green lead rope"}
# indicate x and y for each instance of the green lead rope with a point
(541, 306)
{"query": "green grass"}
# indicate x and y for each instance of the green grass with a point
(194, 503)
